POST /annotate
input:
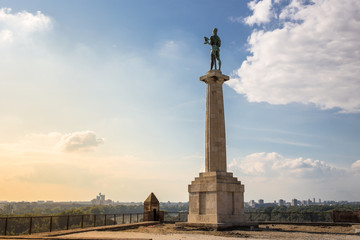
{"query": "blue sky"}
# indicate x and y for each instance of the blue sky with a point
(104, 96)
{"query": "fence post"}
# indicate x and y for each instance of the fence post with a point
(114, 219)
(332, 216)
(82, 221)
(50, 223)
(6, 223)
(130, 217)
(30, 225)
(123, 219)
(67, 222)
(137, 217)
(105, 220)
(94, 220)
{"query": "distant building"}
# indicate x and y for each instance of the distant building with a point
(281, 202)
(100, 200)
(294, 202)
(252, 204)
(261, 202)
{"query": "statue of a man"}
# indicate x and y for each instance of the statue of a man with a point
(215, 43)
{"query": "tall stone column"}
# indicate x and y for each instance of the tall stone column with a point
(216, 198)
(215, 140)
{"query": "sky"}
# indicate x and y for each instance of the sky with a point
(104, 96)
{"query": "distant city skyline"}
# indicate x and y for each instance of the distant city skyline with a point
(104, 96)
(101, 199)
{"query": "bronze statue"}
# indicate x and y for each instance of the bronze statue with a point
(215, 43)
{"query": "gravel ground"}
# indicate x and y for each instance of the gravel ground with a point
(171, 232)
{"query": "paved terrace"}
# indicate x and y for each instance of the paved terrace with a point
(156, 231)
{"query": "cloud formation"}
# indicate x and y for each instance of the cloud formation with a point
(276, 175)
(356, 166)
(79, 141)
(312, 57)
(49, 144)
(21, 24)
(275, 165)
(261, 12)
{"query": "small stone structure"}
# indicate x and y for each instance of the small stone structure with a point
(152, 209)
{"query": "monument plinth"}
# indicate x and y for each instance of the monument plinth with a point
(216, 198)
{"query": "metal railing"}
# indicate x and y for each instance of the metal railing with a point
(172, 217)
(289, 217)
(38, 224)
(286, 217)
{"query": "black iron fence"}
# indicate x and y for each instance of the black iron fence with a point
(38, 224)
(289, 217)
(171, 217)
(286, 217)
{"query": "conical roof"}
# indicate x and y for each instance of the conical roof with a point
(152, 199)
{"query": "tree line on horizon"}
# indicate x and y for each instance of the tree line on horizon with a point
(36, 210)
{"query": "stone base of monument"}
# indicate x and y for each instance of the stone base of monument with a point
(216, 199)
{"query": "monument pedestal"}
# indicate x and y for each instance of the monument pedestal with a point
(216, 198)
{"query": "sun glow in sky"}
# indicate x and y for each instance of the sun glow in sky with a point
(104, 96)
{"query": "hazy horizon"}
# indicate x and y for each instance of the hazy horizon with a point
(165, 201)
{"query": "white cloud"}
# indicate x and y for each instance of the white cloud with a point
(79, 141)
(21, 24)
(313, 58)
(356, 165)
(49, 144)
(272, 174)
(261, 12)
(290, 11)
(274, 164)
